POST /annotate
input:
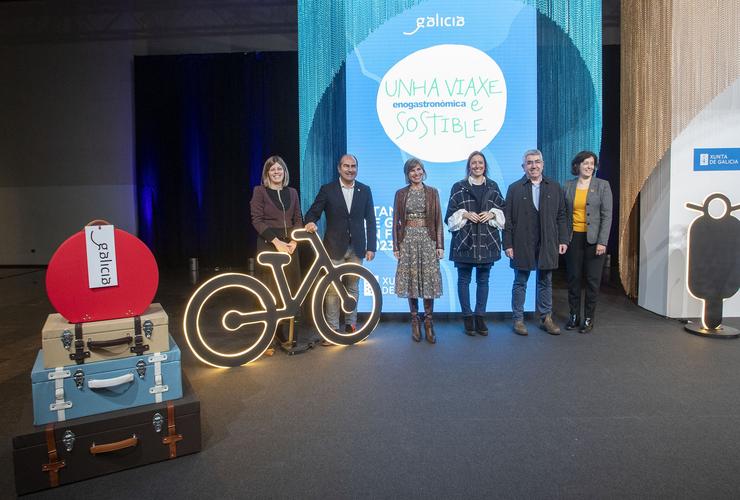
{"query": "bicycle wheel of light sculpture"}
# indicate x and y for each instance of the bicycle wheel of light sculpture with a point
(230, 320)
(367, 285)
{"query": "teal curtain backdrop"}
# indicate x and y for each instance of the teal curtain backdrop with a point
(568, 79)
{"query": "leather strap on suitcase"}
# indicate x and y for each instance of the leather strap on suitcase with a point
(139, 346)
(172, 437)
(80, 353)
(54, 463)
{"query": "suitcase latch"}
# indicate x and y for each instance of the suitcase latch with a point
(157, 421)
(68, 440)
(67, 339)
(141, 368)
(148, 328)
(79, 377)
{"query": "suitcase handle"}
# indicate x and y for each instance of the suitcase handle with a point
(97, 344)
(110, 382)
(98, 222)
(97, 449)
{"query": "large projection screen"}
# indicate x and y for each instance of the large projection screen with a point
(437, 82)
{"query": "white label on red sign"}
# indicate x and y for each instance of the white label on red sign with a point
(101, 256)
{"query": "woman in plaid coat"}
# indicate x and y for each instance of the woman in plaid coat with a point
(475, 217)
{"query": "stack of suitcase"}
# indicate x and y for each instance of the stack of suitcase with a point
(111, 395)
(90, 368)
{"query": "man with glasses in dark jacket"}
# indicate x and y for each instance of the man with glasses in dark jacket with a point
(536, 233)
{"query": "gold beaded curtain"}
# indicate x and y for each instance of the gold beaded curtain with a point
(677, 55)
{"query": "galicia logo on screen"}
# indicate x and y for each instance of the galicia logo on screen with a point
(437, 82)
(437, 21)
(442, 102)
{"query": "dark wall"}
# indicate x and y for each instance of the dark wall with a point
(204, 124)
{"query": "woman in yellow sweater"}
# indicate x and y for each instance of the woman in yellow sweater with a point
(589, 204)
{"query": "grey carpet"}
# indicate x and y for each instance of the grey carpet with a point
(637, 409)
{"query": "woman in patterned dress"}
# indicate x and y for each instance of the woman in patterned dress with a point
(418, 244)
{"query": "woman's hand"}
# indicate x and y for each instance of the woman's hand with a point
(280, 246)
(472, 217)
(600, 249)
(396, 254)
(486, 216)
(440, 253)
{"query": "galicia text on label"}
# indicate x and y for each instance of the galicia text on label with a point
(101, 256)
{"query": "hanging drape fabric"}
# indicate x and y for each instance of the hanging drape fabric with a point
(676, 57)
(568, 68)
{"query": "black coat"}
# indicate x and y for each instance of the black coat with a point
(475, 243)
(521, 219)
(358, 226)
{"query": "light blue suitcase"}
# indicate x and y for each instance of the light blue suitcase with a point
(75, 391)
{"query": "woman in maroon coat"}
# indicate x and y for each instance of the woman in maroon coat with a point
(276, 211)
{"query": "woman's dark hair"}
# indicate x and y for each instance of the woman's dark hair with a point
(485, 164)
(411, 163)
(575, 165)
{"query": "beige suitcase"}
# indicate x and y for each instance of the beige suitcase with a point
(75, 344)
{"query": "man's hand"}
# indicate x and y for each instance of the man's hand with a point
(291, 247)
(310, 227)
(472, 217)
(600, 249)
(510, 253)
(369, 255)
(562, 249)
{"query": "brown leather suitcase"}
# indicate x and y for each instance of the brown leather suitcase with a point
(65, 452)
(69, 344)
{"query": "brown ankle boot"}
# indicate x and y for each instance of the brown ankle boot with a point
(415, 327)
(428, 323)
(429, 329)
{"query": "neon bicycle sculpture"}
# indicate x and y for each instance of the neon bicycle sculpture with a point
(322, 272)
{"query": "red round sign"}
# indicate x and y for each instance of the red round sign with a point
(68, 288)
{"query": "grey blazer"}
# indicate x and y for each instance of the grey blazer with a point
(598, 209)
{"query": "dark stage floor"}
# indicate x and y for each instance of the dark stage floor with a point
(637, 409)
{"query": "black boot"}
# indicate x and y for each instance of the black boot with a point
(415, 324)
(428, 323)
(573, 322)
(480, 326)
(469, 325)
(588, 325)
